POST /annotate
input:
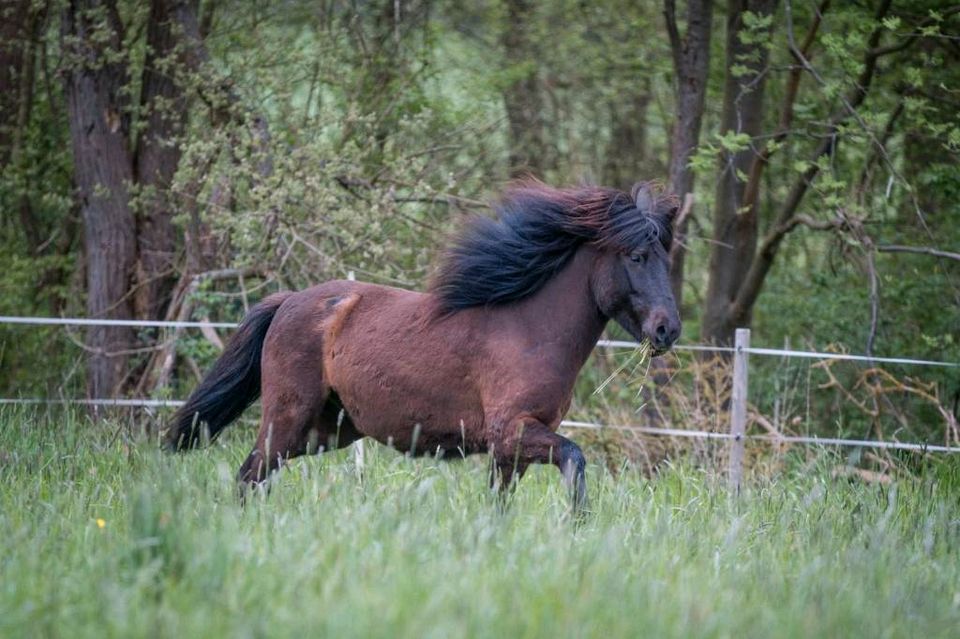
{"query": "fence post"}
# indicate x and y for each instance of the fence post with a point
(738, 406)
(358, 452)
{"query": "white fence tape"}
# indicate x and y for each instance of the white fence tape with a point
(790, 353)
(646, 430)
(83, 321)
(604, 343)
(120, 402)
(773, 439)
(850, 358)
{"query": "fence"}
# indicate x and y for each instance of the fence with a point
(738, 402)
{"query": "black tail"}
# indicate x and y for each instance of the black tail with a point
(231, 385)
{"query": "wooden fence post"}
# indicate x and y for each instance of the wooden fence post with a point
(738, 406)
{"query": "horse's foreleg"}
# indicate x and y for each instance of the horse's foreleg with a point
(528, 441)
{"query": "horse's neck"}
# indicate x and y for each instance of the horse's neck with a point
(564, 311)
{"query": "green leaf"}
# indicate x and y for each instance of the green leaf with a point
(891, 23)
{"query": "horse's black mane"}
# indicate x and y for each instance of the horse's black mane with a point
(535, 233)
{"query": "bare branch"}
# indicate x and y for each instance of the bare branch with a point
(922, 250)
(685, 210)
(160, 367)
(680, 225)
(670, 17)
(816, 225)
(211, 335)
(874, 296)
(867, 172)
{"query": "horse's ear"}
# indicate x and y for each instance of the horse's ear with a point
(651, 200)
(644, 198)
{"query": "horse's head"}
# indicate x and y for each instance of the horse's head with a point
(632, 284)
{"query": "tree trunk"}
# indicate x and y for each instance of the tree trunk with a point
(20, 27)
(15, 30)
(735, 231)
(95, 81)
(522, 98)
(691, 63)
(164, 109)
(627, 149)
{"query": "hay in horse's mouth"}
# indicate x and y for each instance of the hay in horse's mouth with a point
(636, 358)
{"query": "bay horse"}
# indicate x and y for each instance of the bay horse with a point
(483, 362)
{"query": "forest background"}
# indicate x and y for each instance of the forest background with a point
(180, 159)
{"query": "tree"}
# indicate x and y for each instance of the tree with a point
(99, 126)
(172, 35)
(691, 66)
(128, 244)
(739, 266)
(749, 23)
(522, 97)
(21, 23)
(16, 36)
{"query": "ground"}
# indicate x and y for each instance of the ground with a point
(103, 535)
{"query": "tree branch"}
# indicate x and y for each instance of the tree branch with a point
(921, 250)
(914, 36)
(867, 173)
(760, 161)
(670, 17)
(160, 367)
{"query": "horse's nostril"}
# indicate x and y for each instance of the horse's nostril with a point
(665, 335)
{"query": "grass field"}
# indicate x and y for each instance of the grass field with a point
(102, 536)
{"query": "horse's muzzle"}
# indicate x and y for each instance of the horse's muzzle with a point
(662, 328)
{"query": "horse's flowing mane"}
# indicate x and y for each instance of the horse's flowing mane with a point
(536, 231)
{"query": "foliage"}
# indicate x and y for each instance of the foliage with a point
(321, 141)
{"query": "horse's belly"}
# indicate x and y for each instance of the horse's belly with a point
(420, 432)
(401, 385)
(411, 420)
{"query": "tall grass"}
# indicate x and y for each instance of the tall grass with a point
(103, 535)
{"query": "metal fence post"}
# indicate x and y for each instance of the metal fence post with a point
(358, 451)
(738, 406)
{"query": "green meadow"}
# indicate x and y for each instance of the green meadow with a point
(103, 535)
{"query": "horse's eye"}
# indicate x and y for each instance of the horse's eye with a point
(638, 257)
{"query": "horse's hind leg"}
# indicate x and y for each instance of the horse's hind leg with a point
(289, 423)
(293, 429)
(298, 414)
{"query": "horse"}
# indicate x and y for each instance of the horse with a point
(484, 361)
